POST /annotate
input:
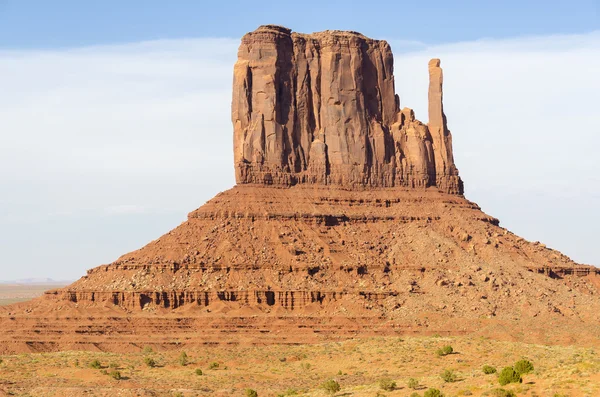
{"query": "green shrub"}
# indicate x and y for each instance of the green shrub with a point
(488, 369)
(1, 361)
(104, 372)
(183, 359)
(288, 392)
(509, 375)
(213, 365)
(444, 351)
(178, 394)
(523, 367)
(433, 393)
(331, 386)
(502, 393)
(113, 365)
(115, 374)
(149, 361)
(147, 350)
(415, 394)
(448, 376)
(95, 364)
(387, 384)
(251, 393)
(198, 371)
(413, 384)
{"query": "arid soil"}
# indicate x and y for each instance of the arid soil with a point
(286, 370)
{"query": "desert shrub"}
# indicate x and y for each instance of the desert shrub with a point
(387, 384)
(251, 393)
(115, 374)
(104, 372)
(198, 371)
(305, 366)
(183, 359)
(1, 361)
(149, 361)
(76, 363)
(178, 394)
(147, 350)
(433, 393)
(448, 376)
(488, 369)
(501, 393)
(509, 375)
(413, 384)
(331, 386)
(213, 365)
(95, 364)
(113, 365)
(415, 394)
(444, 351)
(523, 367)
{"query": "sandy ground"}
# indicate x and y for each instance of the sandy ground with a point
(280, 370)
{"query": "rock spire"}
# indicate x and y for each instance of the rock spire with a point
(321, 108)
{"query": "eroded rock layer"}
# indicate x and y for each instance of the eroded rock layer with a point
(322, 109)
(348, 219)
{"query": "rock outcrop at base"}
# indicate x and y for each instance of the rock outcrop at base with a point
(321, 109)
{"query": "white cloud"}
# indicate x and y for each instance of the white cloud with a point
(132, 137)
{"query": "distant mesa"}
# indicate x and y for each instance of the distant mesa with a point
(348, 218)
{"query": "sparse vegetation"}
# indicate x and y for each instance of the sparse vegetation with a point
(501, 393)
(95, 364)
(147, 350)
(509, 375)
(149, 361)
(448, 376)
(488, 370)
(198, 371)
(113, 365)
(183, 359)
(433, 393)
(115, 374)
(387, 384)
(331, 386)
(444, 351)
(413, 384)
(213, 365)
(251, 393)
(523, 367)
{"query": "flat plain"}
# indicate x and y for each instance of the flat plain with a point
(358, 365)
(14, 293)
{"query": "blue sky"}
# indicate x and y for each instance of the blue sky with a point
(115, 115)
(73, 23)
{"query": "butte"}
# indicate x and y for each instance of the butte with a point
(348, 218)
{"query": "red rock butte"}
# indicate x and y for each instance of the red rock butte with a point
(348, 218)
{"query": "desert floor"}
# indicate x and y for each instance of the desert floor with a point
(281, 370)
(13, 293)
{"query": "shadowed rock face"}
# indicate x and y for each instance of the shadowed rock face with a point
(322, 109)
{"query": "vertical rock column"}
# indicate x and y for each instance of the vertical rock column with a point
(445, 170)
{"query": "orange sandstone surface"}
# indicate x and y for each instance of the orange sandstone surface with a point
(348, 219)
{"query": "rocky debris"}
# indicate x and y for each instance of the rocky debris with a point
(321, 108)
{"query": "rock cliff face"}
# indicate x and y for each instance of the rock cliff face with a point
(322, 109)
